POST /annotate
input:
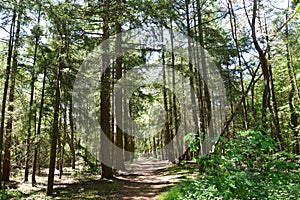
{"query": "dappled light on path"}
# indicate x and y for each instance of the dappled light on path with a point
(142, 180)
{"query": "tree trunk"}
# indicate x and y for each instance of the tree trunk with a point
(207, 106)
(71, 142)
(154, 148)
(11, 98)
(233, 25)
(5, 90)
(174, 103)
(264, 65)
(273, 109)
(63, 142)
(33, 78)
(167, 131)
(193, 98)
(55, 133)
(119, 100)
(38, 132)
(293, 114)
(198, 79)
(105, 104)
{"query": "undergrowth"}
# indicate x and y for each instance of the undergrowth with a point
(247, 167)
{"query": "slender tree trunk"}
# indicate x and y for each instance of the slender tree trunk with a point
(171, 120)
(62, 151)
(293, 114)
(208, 134)
(198, 79)
(5, 90)
(38, 132)
(72, 139)
(274, 108)
(174, 103)
(235, 38)
(105, 104)
(154, 148)
(55, 133)
(167, 131)
(161, 144)
(264, 64)
(11, 98)
(33, 78)
(119, 101)
(193, 98)
(59, 142)
(229, 120)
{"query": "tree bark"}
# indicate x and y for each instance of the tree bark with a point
(5, 90)
(119, 100)
(38, 132)
(193, 98)
(33, 79)
(167, 131)
(294, 116)
(54, 134)
(63, 142)
(264, 65)
(105, 104)
(11, 98)
(233, 25)
(72, 139)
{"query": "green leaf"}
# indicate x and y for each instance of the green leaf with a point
(298, 8)
(232, 186)
(264, 145)
(249, 183)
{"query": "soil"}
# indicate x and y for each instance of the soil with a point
(143, 180)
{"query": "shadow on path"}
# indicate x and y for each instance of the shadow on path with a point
(142, 180)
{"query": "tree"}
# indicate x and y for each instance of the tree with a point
(294, 116)
(55, 130)
(119, 101)
(31, 109)
(38, 132)
(5, 91)
(105, 104)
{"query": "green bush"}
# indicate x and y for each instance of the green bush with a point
(247, 167)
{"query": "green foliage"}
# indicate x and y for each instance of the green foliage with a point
(246, 167)
(7, 194)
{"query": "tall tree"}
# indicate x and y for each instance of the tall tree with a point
(31, 109)
(119, 101)
(105, 104)
(234, 29)
(5, 90)
(167, 131)
(11, 98)
(294, 116)
(55, 130)
(38, 132)
(263, 61)
(72, 138)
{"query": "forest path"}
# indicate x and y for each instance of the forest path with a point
(143, 180)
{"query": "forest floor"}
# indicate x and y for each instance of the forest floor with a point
(143, 180)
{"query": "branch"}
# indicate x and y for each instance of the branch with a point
(287, 21)
(227, 123)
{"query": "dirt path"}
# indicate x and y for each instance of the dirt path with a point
(143, 180)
